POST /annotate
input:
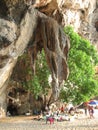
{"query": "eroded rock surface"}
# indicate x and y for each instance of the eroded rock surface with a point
(55, 44)
(81, 14)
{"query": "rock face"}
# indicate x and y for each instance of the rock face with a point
(21, 24)
(81, 14)
(7, 32)
(32, 28)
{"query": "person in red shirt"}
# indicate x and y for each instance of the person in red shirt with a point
(62, 109)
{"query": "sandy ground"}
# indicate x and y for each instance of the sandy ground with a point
(28, 123)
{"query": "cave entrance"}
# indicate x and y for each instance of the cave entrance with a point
(25, 90)
(11, 108)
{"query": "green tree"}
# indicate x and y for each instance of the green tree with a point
(83, 57)
(42, 73)
(38, 84)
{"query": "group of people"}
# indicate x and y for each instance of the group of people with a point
(89, 110)
(61, 113)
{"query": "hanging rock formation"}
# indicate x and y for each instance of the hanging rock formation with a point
(31, 29)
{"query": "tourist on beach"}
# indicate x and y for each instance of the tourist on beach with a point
(91, 112)
(85, 105)
(62, 109)
(49, 117)
(85, 109)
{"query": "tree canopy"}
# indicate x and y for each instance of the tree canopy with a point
(83, 57)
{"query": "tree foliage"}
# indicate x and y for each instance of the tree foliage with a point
(38, 84)
(83, 57)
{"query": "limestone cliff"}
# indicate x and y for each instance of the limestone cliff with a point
(40, 22)
(81, 14)
(30, 28)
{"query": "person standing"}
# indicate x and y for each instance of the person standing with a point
(85, 109)
(91, 112)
